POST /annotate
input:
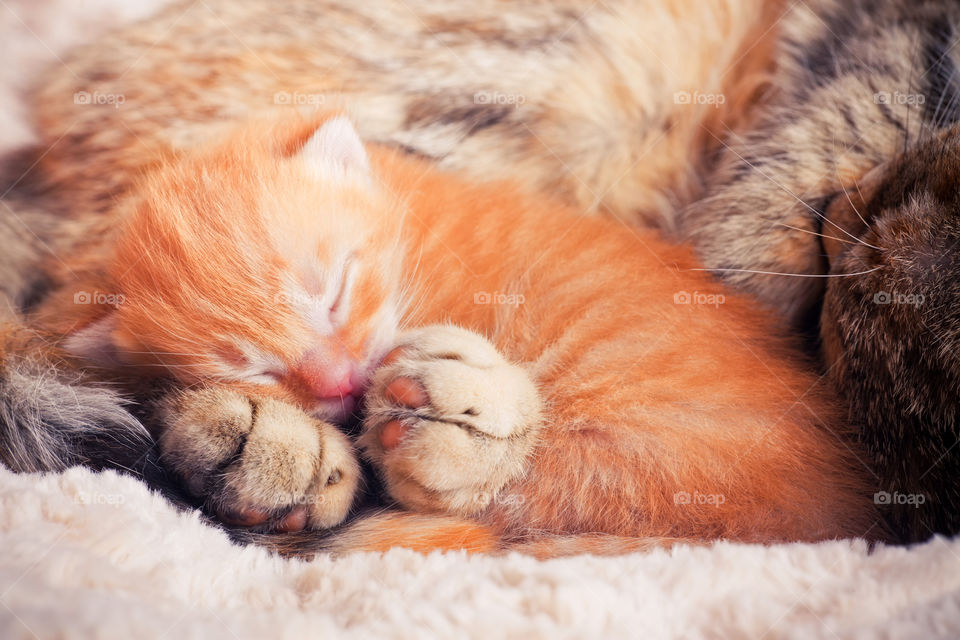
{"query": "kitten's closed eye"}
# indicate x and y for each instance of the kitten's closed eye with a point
(245, 362)
(265, 377)
(340, 308)
(321, 297)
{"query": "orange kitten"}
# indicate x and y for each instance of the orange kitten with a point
(520, 367)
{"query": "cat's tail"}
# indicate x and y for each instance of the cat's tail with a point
(51, 419)
(424, 533)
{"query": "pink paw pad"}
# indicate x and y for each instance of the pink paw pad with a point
(392, 433)
(407, 392)
(294, 521)
(246, 517)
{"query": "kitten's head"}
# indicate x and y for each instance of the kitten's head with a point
(270, 262)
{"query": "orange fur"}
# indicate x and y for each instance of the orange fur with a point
(647, 400)
(423, 533)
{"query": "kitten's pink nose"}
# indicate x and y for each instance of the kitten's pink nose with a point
(327, 375)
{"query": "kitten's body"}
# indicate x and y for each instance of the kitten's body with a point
(661, 417)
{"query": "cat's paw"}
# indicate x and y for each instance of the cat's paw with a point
(258, 461)
(448, 421)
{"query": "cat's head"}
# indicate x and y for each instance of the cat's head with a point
(891, 316)
(270, 262)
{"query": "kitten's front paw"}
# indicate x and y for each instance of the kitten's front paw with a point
(448, 421)
(259, 462)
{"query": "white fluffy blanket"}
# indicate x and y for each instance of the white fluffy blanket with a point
(97, 555)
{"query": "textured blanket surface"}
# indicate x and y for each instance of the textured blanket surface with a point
(88, 555)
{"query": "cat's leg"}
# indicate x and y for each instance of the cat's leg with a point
(448, 421)
(258, 461)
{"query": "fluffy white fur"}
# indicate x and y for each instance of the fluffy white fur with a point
(97, 555)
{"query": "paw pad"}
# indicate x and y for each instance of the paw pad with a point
(392, 433)
(408, 393)
(448, 417)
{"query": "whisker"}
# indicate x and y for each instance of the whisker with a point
(862, 199)
(169, 353)
(158, 364)
(791, 275)
(836, 170)
(793, 195)
(845, 232)
(814, 233)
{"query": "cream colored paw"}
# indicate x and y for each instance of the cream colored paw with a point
(448, 421)
(259, 462)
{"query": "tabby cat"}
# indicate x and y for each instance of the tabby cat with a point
(851, 172)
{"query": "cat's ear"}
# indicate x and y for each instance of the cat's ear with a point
(335, 148)
(95, 342)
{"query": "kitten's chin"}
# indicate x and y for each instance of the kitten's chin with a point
(337, 410)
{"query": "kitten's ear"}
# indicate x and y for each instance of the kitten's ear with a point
(94, 342)
(336, 148)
